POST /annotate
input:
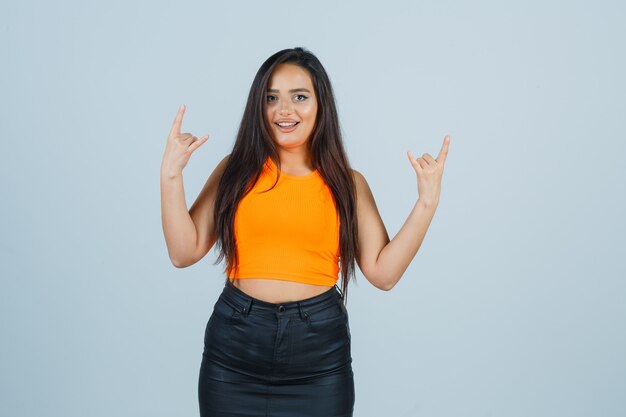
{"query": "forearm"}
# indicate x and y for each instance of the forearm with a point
(397, 255)
(178, 227)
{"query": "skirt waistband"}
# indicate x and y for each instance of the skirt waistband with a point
(245, 303)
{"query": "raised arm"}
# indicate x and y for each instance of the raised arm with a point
(383, 261)
(188, 233)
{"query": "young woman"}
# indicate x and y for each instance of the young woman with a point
(287, 213)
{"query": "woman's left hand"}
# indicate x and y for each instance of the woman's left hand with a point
(429, 172)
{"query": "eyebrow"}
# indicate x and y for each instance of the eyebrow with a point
(294, 90)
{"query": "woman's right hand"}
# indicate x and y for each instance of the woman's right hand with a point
(179, 147)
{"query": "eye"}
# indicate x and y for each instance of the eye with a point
(303, 97)
(270, 98)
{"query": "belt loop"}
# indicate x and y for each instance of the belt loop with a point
(339, 291)
(246, 308)
(304, 315)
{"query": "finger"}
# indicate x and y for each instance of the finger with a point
(185, 136)
(198, 143)
(428, 158)
(443, 153)
(195, 139)
(415, 164)
(178, 121)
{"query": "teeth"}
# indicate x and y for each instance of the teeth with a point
(287, 124)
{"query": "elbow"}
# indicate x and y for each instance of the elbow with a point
(387, 284)
(185, 259)
(181, 263)
(384, 285)
(178, 264)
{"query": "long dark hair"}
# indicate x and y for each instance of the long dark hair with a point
(254, 144)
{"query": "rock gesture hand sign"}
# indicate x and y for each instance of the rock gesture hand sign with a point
(179, 146)
(429, 172)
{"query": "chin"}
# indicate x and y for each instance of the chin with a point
(289, 142)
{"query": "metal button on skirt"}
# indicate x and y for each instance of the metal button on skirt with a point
(264, 359)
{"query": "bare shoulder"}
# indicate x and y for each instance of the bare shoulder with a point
(361, 183)
(214, 178)
(358, 177)
(222, 164)
(216, 175)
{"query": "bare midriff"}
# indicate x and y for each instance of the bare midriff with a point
(278, 291)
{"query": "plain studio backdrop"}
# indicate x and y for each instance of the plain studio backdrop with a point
(513, 306)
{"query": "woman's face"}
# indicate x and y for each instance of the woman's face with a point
(290, 98)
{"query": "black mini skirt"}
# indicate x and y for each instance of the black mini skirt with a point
(264, 359)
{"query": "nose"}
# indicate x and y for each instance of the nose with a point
(285, 108)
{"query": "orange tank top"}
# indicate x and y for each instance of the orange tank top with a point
(289, 233)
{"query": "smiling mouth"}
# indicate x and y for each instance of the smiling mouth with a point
(287, 127)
